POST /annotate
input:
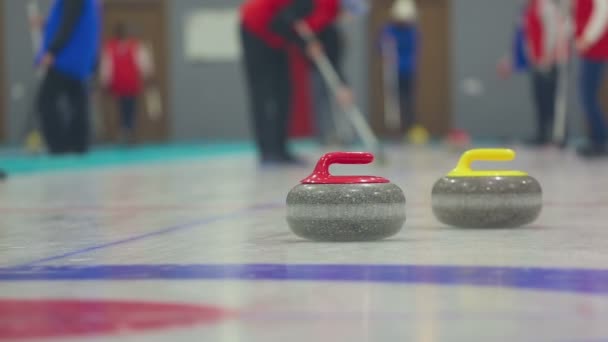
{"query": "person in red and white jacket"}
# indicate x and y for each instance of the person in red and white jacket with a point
(268, 29)
(591, 17)
(542, 39)
(545, 41)
(125, 66)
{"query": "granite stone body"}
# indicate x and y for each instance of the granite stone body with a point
(487, 202)
(346, 212)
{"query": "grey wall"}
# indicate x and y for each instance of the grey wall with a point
(357, 60)
(20, 81)
(481, 33)
(208, 100)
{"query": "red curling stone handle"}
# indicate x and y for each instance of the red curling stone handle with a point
(321, 173)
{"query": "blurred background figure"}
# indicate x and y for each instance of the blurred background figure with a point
(591, 17)
(540, 45)
(267, 30)
(332, 128)
(400, 47)
(437, 79)
(69, 54)
(126, 65)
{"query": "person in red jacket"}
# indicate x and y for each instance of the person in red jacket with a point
(126, 64)
(268, 27)
(543, 33)
(591, 18)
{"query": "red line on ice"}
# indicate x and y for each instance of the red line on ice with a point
(27, 319)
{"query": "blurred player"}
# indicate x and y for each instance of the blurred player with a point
(267, 29)
(333, 41)
(125, 66)
(70, 48)
(539, 47)
(591, 17)
(402, 36)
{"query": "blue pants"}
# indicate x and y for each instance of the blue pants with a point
(592, 73)
(128, 112)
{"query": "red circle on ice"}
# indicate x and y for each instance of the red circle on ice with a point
(26, 319)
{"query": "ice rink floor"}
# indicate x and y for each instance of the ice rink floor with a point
(199, 250)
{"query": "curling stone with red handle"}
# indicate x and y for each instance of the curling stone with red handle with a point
(345, 208)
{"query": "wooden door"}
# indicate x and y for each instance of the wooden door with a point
(433, 85)
(147, 20)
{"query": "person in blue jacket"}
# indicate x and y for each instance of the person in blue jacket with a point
(69, 55)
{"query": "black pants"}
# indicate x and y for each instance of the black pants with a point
(406, 101)
(268, 82)
(544, 84)
(128, 112)
(65, 127)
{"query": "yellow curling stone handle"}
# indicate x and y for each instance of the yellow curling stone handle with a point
(463, 169)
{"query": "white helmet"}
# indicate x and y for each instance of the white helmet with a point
(404, 10)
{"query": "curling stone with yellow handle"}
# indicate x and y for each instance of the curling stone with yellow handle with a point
(486, 199)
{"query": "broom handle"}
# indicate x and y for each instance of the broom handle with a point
(335, 84)
(355, 114)
(392, 115)
(561, 100)
(33, 12)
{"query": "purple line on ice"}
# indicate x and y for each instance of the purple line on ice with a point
(164, 231)
(586, 281)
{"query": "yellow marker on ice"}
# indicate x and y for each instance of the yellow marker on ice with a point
(418, 135)
(33, 142)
